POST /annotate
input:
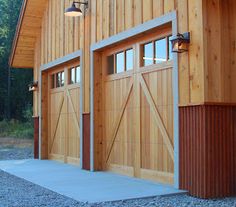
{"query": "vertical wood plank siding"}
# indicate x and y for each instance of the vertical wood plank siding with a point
(207, 155)
(61, 35)
(211, 38)
(206, 74)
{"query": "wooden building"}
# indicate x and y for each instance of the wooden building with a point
(112, 96)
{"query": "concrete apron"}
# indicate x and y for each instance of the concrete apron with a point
(84, 186)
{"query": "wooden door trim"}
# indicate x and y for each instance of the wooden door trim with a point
(63, 60)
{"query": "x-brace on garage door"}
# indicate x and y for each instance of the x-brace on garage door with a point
(136, 108)
(63, 116)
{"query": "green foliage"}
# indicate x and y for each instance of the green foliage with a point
(27, 114)
(19, 129)
(16, 129)
(14, 95)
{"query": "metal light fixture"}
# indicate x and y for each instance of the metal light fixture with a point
(33, 86)
(73, 11)
(180, 42)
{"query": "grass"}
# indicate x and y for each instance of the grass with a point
(16, 129)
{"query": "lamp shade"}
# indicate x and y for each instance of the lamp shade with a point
(73, 11)
(180, 42)
(33, 86)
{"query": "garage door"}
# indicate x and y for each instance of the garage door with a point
(64, 126)
(138, 109)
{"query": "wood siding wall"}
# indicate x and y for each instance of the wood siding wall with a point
(220, 50)
(207, 72)
(207, 150)
(61, 35)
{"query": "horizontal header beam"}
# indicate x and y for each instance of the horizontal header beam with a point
(149, 25)
(61, 60)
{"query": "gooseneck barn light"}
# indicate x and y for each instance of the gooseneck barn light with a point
(180, 42)
(73, 11)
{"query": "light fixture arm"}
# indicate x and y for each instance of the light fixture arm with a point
(84, 3)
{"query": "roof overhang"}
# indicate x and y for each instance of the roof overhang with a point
(27, 31)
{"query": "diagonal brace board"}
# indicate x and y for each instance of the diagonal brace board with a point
(157, 117)
(119, 118)
(74, 112)
(57, 123)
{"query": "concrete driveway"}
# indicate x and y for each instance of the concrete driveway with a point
(84, 186)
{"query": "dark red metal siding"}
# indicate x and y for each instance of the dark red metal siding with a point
(234, 152)
(86, 141)
(36, 137)
(207, 150)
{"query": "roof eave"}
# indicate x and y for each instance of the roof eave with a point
(17, 33)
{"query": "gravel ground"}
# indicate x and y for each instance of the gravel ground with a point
(16, 192)
(12, 153)
(13, 149)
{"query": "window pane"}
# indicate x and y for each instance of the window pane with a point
(129, 59)
(72, 75)
(170, 50)
(160, 50)
(110, 64)
(120, 62)
(78, 74)
(62, 79)
(58, 80)
(148, 54)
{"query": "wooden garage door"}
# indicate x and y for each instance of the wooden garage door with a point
(64, 102)
(138, 109)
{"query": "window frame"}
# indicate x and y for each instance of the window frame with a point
(153, 41)
(115, 63)
(54, 80)
(133, 52)
(114, 53)
(75, 67)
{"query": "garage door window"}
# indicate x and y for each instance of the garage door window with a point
(129, 59)
(160, 51)
(74, 75)
(58, 79)
(156, 51)
(120, 62)
(148, 52)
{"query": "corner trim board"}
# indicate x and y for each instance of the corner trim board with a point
(170, 17)
(81, 108)
(175, 80)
